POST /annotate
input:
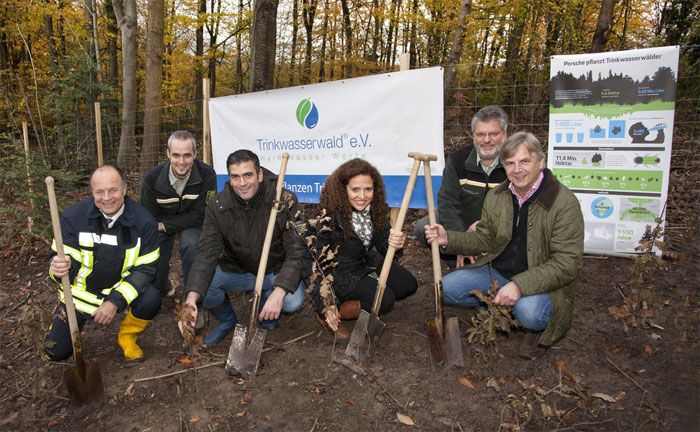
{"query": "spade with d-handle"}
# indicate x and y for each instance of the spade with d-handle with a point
(83, 380)
(443, 335)
(247, 345)
(368, 328)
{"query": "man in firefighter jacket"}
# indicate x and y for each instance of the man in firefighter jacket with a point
(111, 247)
(176, 193)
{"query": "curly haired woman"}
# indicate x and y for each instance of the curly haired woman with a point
(354, 227)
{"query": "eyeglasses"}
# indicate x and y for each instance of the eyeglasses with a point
(482, 135)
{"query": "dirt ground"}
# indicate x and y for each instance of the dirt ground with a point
(598, 378)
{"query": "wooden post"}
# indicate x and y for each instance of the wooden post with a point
(206, 137)
(25, 132)
(404, 61)
(98, 134)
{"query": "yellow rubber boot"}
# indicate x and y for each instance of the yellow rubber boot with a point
(128, 331)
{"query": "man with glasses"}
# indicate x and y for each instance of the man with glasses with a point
(469, 173)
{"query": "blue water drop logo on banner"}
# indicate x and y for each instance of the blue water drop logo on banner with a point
(307, 114)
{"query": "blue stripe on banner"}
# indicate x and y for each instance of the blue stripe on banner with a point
(308, 188)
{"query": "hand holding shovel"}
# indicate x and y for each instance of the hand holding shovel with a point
(247, 345)
(83, 380)
(443, 335)
(368, 328)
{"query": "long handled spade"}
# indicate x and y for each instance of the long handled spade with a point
(368, 328)
(247, 345)
(83, 380)
(443, 335)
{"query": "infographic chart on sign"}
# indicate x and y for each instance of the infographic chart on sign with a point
(610, 133)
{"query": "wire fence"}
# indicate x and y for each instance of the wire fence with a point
(524, 94)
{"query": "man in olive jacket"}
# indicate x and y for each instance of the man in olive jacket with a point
(531, 239)
(231, 244)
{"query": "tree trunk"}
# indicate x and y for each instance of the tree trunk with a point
(602, 30)
(239, 51)
(213, 30)
(125, 11)
(553, 29)
(295, 31)
(309, 13)
(347, 27)
(153, 101)
(324, 38)
(198, 55)
(51, 43)
(413, 37)
(263, 45)
(456, 51)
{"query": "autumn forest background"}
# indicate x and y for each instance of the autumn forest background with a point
(144, 62)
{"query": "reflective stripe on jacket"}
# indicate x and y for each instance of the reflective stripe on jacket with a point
(117, 263)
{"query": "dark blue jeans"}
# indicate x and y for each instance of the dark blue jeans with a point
(189, 239)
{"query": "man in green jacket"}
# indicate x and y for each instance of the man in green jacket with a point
(530, 237)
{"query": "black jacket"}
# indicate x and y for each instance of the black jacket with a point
(463, 189)
(234, 232)
(178, 212)
(117, 263)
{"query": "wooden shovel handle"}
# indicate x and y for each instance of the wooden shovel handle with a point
(423, 157)
(67, 293)
(268, 241)
(398, 226)
(434, 248)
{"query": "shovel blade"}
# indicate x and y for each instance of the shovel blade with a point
(84, 382)
(244, 354)
(365, 338)
(445, 343)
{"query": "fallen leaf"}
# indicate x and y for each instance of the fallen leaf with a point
(648, 350)
(195, 418)
(620, 396)
(560, 366)
(405, 419)
(605, 397)
(9, 419)
(248, 398)
(546, 410)
(466, 383)
(493, 383)
(129, 390)
(240, 414)
(569, 418)
(350, 402)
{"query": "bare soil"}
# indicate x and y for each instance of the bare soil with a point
(598, 378)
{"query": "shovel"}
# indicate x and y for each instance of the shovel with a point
(247, 345)
(443, 335)
(368, 327)
(83, 380)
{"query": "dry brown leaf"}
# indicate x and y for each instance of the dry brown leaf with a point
(405, 419)
(9, 419)
(466, 383)
(240, 414)
(605, 397)
(648, 350)
(350, 402)
(620, 396)
(493, 383)
(195, 418)
(546, 410)
(560, 366)
(248, 397)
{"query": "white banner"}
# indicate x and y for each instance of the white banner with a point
(610, 134)
(379, 118)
